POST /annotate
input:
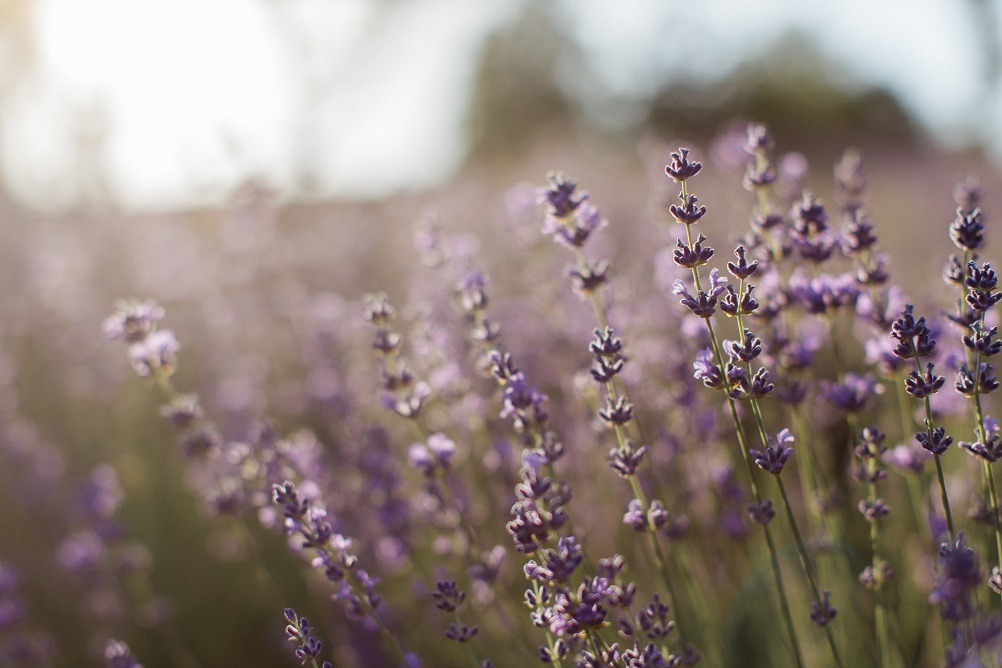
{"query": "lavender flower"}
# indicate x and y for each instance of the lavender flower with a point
(774, 457)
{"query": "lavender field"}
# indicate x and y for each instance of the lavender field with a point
(697, 373)
(704, 413)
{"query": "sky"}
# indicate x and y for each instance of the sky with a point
(161, 104)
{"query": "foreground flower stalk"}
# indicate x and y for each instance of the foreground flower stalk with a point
(714, 371)
(571, 219)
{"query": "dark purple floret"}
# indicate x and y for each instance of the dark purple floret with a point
(985, 381)
(502, 368)
(559, 564)
(858, 235)
(808, 216)
(618, 413)
(914, 338)
(574, 230)
(704, 303)
(967, 230)
(758, 175)
(816, 250)
(300, 632)
(605, 344)
(874, 271)
(927, 384)
(954, 272)
(448, 596)
(983, 342)
(604, 369)
(745, 304)
(873, 510)
(653, 620)
(626, 459)
(871, 443)
(758, 386)
(648, 657)
(562, 196)
(936, 443)
(774, 457)
(822, 612)
(681, 168)
(742, 269)
(762, 513)
(589, 276)
(981, 283)
(694, 256)
(990, 451)
(461, 632)
(689, 212)
(746, 350)
(705, 370)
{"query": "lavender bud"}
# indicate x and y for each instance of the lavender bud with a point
(461, 632)
(822, 612)
(590, 276)
(808, 216)
(747, 350)
(742, 269)
(689, 213)
(626, 459)
(967, 230)
(873, 510)
(694, 256)
(618, 413)
(936, 443)
(774, 457)
(562, 197)
(983, 342)
(925, 385)
(988, 452)
(448, 596)
(762, 513)
(681, 168)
